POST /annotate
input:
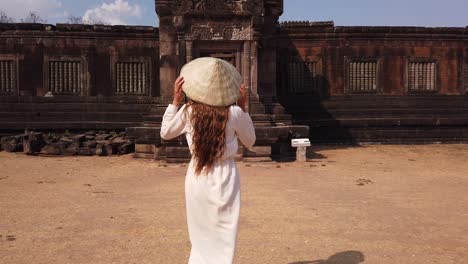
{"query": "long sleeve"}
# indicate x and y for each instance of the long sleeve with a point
(173, 123)
(244, 127)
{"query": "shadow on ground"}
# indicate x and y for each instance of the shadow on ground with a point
(312, 152)
(345, 257)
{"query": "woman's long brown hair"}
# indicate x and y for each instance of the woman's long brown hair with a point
(209, 133)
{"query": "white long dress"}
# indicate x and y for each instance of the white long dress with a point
(212, 199)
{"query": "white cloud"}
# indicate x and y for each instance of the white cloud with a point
(119, 12)
(19, 9)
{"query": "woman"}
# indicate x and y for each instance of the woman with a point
(212, 124)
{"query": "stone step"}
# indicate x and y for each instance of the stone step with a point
(151, 124)
(301, 104)
(62, 125)
(144, 133)
(380, 111)
(84, 99)
(153, 118)
(261, 117)
(258, 119)
(375, 98)
(138, 155)
(389, 135)
(156, 111)
(387, 122)
(76, 116)
(74, 107)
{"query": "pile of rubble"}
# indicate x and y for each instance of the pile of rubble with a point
(100, 143)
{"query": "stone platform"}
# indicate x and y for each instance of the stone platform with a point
(383, 119)
(273, 131)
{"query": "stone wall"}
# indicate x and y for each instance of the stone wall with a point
(378, 84)
(348, 84)
(77, 76)
(393, 51)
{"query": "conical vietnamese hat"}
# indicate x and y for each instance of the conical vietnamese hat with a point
(211, 81)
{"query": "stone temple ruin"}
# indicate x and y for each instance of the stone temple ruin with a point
(310, 79)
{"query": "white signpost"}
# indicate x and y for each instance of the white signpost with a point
(301, 144)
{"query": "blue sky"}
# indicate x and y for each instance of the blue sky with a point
(450, 13)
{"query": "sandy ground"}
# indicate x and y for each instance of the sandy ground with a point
(370, 204)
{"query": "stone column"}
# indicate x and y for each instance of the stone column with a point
(181, 53)
(254, 69)
(189, 51)
(246, 63)
(246, 69)
(168, 57)
(239, 60)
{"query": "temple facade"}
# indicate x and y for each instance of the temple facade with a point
(308, 79)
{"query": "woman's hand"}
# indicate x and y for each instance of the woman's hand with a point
(242, 102)
(178, 92)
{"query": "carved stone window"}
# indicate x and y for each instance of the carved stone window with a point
(8, 77)
(465, 78)
(422, 75)
(132, 76)
(362, 75)
(65, 77)
(302, 77)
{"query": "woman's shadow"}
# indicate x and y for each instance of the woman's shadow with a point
(345, 257)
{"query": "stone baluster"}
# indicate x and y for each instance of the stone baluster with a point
(189, 52)
(145, 78)
(13, 77)
(3, 87)
(79, 77)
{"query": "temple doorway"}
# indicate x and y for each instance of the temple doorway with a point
(229, 56)
(225, 50)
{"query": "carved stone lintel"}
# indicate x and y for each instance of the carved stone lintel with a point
(219, 32)
(241, 34)
(200, 33)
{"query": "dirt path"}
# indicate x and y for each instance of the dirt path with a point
(371, 204)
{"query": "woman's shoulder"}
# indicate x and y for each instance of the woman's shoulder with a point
(236, 110)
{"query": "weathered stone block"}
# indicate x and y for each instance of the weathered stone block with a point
(85, 151)
(111, 149)
(79, 138)
(90, 133)
(90, 144)
(258, 151)
(143, 155)
(51, 150)
(101, 150)
(33, 143)
(126, 148)
(11, 145)
(66, 139)
(145, 148)
(177, 152)
(118, 140)
(72, 149)
(103, 137)
(159, 153)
